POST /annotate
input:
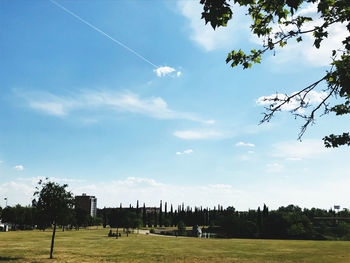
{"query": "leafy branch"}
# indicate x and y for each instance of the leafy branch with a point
(265, 14)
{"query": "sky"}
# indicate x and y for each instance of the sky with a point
(132, 100)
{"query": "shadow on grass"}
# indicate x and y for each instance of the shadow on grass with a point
(7, 259)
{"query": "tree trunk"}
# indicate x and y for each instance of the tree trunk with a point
(53, 239)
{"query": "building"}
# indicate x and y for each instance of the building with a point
(87, 203)
(150, 210)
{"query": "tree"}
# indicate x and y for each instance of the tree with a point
(181, 227)
(81, 217)
(144, 219)
(53, 202)
(160, 214)
(268, 15)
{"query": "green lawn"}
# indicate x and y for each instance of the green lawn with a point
(95, 246)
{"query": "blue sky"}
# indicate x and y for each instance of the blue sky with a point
(173, 122)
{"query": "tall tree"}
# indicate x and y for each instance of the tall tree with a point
(53, 202)
(137, 208)
(144, 216)
(160, 214)
(278, 22)
(171, 215)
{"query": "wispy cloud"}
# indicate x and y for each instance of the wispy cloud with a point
(293, 159)
(274, 168)
(19, 167)
(246, 144)
(116, 102)
(296, 151)
(130, 189)
(204, 35)
(209, 122)
(189, 151)
(198, 134)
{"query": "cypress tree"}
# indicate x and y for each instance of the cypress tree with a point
(160, 214)
(171, 215)
(265, 211)
(144, 217)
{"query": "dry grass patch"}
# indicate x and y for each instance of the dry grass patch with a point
(95, 246)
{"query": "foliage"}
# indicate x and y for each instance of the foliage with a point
(82, 217)
(181, 227)
(121, 217)
(53, 201)
(19, 216)
(278, 22)
(95, 221)
(54, 205)
(290, 222)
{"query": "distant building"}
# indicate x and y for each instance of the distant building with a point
(87, 203)
(150, 210)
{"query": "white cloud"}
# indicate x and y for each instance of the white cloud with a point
(274, 168)
(163, 71)
(189, 151)
(309, 194)
(313, 97)
(131, 189)
(204, 35)
(245, 157)
(245, 144)
(309, 10)
(296, 150)
(251, 152)
(293, 159)
(209, 122)
(51, 108)
(198, 134)
(220, 186)
(154, 107)
(19, 167)
(178, 74)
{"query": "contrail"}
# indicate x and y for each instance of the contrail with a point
(103, 33)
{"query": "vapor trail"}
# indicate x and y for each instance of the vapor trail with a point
(102, 32)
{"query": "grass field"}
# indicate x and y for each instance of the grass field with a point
(95, 246)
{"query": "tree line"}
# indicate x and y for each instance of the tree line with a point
(289, 222)
(28, 217)
(286, 222)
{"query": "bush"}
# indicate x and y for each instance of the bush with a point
(181, 228)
